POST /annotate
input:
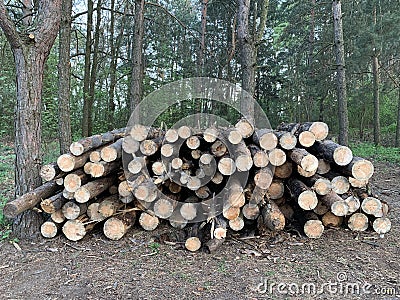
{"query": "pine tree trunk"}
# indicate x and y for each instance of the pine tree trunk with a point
(398, 120)
(64, 82)
(87, 106)
(30, 56)
(247, 57)
(377, 126)
(340, 73)
(136, 88)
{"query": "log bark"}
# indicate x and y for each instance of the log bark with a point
(303, 158)
(53, 203)
(95, 141)
(30, 199)
(270, 218)
(332, 152)
(337, 205)
(93, 188)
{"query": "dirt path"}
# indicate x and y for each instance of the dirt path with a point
(97, 268)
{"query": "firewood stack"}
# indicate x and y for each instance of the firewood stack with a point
(268, 178)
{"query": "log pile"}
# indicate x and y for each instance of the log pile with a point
(267, 178)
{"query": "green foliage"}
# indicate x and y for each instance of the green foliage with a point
(379, 153)
(155, 247)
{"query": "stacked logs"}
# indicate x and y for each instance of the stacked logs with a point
(267, 179)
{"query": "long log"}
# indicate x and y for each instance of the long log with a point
(73, 181)
(112, 152)
(304, 159)
(30, 199)
(93, 188)
(68, 162)
(53, 203)
(332, 152)
(359, 168)
(95, 141)
(72, 210)
(271, 218)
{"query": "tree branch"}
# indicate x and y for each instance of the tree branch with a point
(9, 29)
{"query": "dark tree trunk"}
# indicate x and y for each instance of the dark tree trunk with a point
(377, 125)
(248, 45)
(247, 56)
(87, 106)
(93, 71)
(136, 88)
(64, 78)
(340, 73)
(310, 61)
(398, 120)
(30, 55)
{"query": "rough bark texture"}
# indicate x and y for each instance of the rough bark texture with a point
(87, 107)
(340, 73)
(136, 88)
(30, 58)
(64, 81)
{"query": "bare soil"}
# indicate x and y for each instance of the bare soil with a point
(357, 266)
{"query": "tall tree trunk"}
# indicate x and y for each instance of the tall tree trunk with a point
(247, 57)
(30, 55)
(113, 69)
(64, 78)
(87, 106)
(136, 88)
(398, 120)
(199, 102)
(93, 71)
(340, 73)
(310, 61)
(248, 45)
(377, 126)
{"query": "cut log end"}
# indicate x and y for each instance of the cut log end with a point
(382, 225)
(193, 244)
(331, 220)
(306, 139)
(74, 230)
(320, 130)
(342, 155)
(148, 222)
(277, 157)
(358, 222)
(313, 229)
(340, 208)
(371, 206)
(49, 229)
(307, 200)
(362, 170)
